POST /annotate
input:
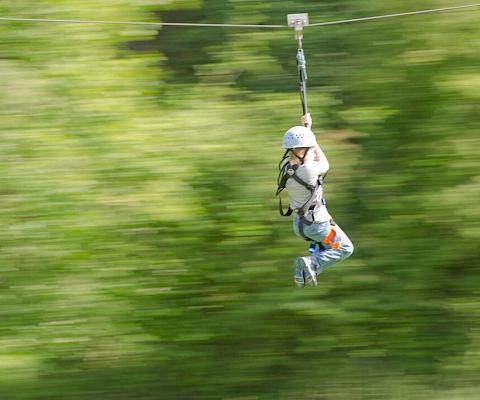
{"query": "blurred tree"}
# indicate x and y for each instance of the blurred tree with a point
(141, 254)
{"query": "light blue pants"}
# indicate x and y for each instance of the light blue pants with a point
(329, 253)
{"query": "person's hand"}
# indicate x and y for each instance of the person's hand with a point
(307, 120)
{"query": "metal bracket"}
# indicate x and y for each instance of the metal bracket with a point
(298, 21)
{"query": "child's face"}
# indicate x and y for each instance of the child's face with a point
(301, 151)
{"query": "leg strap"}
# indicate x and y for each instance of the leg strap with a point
(330, 239)
(301, 231)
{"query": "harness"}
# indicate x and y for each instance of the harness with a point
(306, 211)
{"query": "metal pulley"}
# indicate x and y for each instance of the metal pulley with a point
(298, 21)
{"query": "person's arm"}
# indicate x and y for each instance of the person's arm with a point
(321, 159)
(319, 154)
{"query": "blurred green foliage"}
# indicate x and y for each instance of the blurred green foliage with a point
(141, 255)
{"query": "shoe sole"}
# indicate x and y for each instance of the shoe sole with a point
(312, 274)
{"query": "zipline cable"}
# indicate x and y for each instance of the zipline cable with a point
(78, 21)
(187, 24)
(376, 17)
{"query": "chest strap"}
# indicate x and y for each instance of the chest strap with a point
(288, 171)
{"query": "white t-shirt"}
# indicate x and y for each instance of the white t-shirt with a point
(298, 195)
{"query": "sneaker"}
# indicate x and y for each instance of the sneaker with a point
(308, 268)
(298, 275)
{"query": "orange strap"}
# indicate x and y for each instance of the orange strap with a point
(329, 240)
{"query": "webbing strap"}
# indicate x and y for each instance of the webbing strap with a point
(329, 239)
(288, 171)
(280, 208)
(303, 183)
(302, 232)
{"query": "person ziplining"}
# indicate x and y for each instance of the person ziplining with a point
(302, 170)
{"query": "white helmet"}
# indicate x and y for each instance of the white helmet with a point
(298, 136)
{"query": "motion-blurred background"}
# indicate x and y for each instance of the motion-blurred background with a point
(141, 251)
